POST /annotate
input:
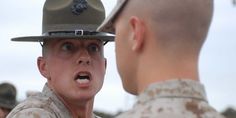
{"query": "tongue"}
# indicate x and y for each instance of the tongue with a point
(82, 81)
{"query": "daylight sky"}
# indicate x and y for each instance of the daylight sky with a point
(18, 60)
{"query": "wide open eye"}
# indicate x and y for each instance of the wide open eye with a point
(67, 46)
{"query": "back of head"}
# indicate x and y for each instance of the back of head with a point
(177, 29)
(176, 24)
(168, 36)
(7, 96)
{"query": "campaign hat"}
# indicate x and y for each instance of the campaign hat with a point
(71, 19)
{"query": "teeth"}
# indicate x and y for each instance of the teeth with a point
(83, 78)
(82, 81)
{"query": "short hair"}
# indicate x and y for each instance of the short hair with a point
(175, 22)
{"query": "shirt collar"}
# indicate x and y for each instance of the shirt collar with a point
(178, 88)
(59, 104)
(48, 92)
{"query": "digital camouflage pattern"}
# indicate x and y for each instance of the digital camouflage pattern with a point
(41, 105)
(173, 99)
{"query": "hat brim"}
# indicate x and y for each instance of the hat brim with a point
(104, 37)
(107, 24)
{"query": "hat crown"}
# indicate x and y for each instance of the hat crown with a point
(70, 15)
(69, 19)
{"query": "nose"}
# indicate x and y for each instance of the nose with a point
(83, 61)
(84, 58)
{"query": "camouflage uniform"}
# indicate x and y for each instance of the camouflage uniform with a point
(41, 105)
(172, 99)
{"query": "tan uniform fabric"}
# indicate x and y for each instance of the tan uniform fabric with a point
(41, 105)
(172, 99)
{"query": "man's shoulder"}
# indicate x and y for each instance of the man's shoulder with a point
(168, 113)
(31, 113)
(171, 108)
(34, 106)
(164, 115)
(36, 101)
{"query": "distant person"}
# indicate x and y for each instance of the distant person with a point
(7, 98)
(157, 46)
(72, 61)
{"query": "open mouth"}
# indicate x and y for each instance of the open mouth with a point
(83, 77)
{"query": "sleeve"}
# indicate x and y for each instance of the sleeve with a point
(32, 113)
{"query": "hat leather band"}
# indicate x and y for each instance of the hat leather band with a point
(69, 33)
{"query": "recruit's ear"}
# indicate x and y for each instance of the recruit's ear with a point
(137, 30)
(42, 66)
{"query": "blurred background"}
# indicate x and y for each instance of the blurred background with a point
(18, 60)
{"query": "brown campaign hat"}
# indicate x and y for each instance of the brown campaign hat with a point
(107, 25)
(71, 19)
(7, 96)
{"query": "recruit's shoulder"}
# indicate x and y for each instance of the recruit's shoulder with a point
(172, 99)
(168, 113)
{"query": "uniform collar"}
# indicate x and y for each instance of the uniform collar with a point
(178, 88)
(48, 92)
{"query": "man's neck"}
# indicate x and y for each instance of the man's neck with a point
(82, 111)
(163, 69)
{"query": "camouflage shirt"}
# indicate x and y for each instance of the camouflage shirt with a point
(41, 105)
(172, 99)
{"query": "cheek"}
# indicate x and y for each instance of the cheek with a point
(59, 69)
(121, 45)
(117, 52)
(124, 57)
(121, 57)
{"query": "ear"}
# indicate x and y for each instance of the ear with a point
(137, 32)
(42, 66)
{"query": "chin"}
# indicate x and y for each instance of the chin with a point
(85, 98)
(128, 88)
(87, 95)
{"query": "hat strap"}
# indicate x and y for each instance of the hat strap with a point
(66, 33)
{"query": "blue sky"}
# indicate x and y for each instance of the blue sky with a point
(18, 60)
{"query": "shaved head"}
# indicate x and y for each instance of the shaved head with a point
(163, 38)
(176, 24)
(157, 47)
